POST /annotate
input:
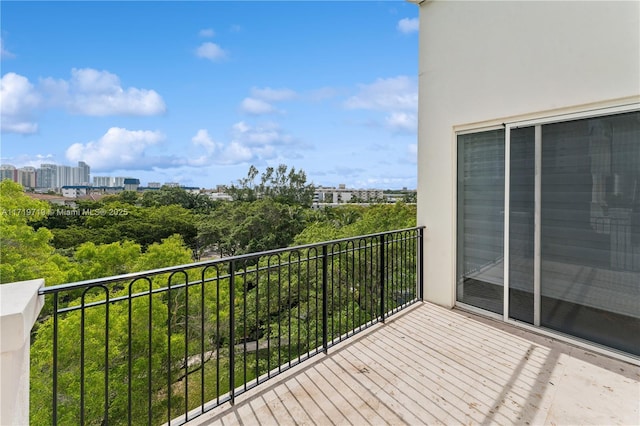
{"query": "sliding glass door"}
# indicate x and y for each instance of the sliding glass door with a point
(571, 257)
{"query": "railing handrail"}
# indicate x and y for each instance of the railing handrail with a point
(206, 263)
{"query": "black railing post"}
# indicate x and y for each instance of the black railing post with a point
(382, 276)
(54, 412)
(421, 264)
(325, 302)
(232, 332)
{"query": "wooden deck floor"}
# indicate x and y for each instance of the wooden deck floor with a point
(430, 365)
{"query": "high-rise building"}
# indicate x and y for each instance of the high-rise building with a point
(7, 171)
(46, 176)
(64, 176)
(82, 173)
(70, 176)
(27, 177)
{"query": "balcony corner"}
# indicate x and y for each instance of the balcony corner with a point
(20, 305)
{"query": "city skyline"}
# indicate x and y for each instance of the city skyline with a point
(197, 92)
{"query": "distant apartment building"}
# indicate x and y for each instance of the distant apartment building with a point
(7, 171)
(27, 177)
(155, 185)
(47, 176)
(83, 173)
(75, 191)
(109, 181)
(342, 194)
(70, 176)
(217, 194)
(131, 184)
(102, 181)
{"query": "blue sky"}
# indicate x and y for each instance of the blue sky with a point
(196, 92)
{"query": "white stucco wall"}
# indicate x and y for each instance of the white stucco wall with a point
(489, 61)
(20, 305)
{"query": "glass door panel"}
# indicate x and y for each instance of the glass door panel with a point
(590, 229)
(480, 222)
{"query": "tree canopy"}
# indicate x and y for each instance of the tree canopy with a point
(25, 253)
(283, 185)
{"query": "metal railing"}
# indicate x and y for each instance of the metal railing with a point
(167, 345)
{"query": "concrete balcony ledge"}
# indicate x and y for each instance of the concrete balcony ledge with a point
(431, 365)
(20, 305)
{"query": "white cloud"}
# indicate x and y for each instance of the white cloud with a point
(99, 93)
(210, 51)
(260, 101)
(260, 136)
(202, 139)
(256, 106)
(235, 153)
(4, 53)
(402, 122)
(273, 95)
(207, 32)
(19, 102)
(396, 96)
(396, 93)
(248, 143)
(118, 149)
(408, 25)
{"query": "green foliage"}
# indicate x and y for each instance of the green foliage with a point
(127, 197)
(286, 187)
(350, 221)
(145, 356)
(149, 348)
(167, 195)
(246, 227)
(97, 261)
(171, 252)
(118, 221)
(25, 253)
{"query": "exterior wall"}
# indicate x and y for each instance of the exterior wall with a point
(484, 63)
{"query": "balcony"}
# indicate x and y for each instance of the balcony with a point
(337, 329)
